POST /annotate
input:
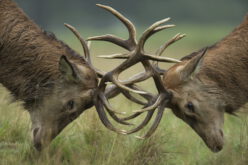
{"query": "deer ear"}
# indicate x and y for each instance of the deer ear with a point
(192, 67)
(68, 71)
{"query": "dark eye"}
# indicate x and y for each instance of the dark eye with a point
(70, 104)
(190, 107)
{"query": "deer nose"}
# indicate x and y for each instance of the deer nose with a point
(37, 139)
(218, 148)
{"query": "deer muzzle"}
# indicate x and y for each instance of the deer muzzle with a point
(42, 137)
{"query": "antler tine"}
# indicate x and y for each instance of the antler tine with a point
(108, 106)
(170, 42)
(135, 55)
(85, 46)
(150, 98)
(153, 106)
(147, 56)
(103, 117)
(117, 119)
(82, 41)
(131, 42)
(167, 44)
(161, 59)
(110, 38)
(100, 109)
(155, 123)
(150, 31)
(147, 118)
(143, 123)
(132, 98)
(116, 56)
(120, 85)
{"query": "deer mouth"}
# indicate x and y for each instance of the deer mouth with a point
(215, 142)
(42, 137)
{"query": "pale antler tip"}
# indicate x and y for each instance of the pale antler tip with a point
(166, 19)
(183, 35)
(66, 24)
(102, 6)
(139, 137)
(104, 56)
(123, 132)
(123, 113)
(137, 111)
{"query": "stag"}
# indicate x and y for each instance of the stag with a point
(54, 82)
(199, 89)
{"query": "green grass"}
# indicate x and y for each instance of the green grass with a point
(87, 142)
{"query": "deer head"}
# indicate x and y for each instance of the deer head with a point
(70, 95)
(196, 101)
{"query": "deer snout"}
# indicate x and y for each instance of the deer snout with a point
(37, 138)
(215, 141)
(42, 137)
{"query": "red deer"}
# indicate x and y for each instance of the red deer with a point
(54, 82)
(200, 88)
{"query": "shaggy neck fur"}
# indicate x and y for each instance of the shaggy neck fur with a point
(28, 55)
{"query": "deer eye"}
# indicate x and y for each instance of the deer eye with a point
(190, 107)
(70, 105)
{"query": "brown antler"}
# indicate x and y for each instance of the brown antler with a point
(137, 54)
(112, 91)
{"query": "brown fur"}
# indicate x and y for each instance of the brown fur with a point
(213, 84)
(54, 82)
(28, 55)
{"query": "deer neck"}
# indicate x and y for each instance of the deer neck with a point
(28, 56)
(237, 40)
(226, 64)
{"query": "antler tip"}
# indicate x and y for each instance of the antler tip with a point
(183, 35)
(123, 132)
(66, 24)
(139, 137)
(137, 111)
(166, 19)
(102, 6)
(96, 38)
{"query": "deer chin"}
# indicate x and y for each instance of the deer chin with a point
(214, 140)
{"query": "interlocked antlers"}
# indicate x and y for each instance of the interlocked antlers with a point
(135, 55)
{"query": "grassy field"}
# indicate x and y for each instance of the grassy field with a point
(87, 142)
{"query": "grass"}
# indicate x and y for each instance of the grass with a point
(87, 142)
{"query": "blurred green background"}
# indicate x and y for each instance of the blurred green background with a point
(204, 22)
(52, 14)
(86, 141)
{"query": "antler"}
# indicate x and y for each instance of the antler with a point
(85, 46)
(135, 55)
(112, 91)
